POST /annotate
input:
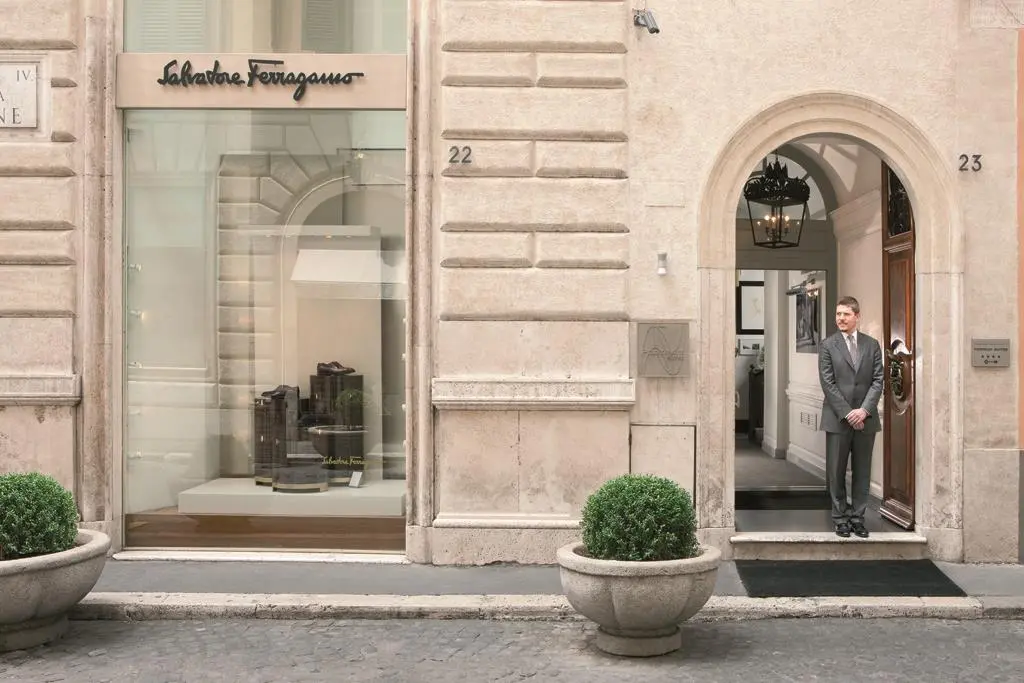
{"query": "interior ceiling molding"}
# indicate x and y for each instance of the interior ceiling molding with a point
(858, 218)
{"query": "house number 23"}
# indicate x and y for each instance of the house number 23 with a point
(460, 155)
(970, 163)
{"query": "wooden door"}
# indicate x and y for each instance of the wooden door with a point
(898, 346)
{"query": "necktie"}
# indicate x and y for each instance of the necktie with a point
(852, 343)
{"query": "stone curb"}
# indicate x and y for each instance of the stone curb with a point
(184, 606)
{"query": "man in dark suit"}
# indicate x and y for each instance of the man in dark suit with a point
(850, 370)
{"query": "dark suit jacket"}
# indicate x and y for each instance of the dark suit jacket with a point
(847, 388)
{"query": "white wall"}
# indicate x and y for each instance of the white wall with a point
(776, 373)
(858, 228)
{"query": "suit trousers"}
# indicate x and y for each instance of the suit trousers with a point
(839, 446)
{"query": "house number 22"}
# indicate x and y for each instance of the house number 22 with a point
(460, 155)
(970, 163)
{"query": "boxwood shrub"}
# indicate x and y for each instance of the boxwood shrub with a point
(640, 518)
(37, 516)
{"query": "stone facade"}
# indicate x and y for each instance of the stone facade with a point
(594, 147)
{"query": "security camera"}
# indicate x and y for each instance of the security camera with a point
(645, 18)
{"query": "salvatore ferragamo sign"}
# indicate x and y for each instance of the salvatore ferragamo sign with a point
(263, 72)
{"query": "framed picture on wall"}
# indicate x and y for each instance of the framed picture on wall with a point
(750, 308)
(808, 323)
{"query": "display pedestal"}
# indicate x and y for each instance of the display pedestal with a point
(381, 498)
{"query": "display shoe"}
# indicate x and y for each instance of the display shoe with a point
(333, 368)
(279, 392)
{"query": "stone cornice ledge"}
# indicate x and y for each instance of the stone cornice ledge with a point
(531, 394)
(504, 521)
(49, 390)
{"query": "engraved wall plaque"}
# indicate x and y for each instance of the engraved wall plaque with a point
(19, 96)
(990, 353)
(662, 349)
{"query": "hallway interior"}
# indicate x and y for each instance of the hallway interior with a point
(774, 494)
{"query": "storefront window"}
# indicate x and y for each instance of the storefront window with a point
(338, 26)
(265, 334)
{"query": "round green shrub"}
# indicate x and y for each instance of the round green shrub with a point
(640, 518)
(37, 516)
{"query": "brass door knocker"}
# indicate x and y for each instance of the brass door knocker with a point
(898, 360)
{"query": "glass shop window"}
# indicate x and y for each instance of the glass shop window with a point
(265, 333)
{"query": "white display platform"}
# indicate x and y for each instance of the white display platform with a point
(380, 498)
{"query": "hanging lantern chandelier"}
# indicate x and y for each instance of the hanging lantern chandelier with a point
(777, 205)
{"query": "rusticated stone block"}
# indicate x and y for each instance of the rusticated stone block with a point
(246, 215)
(478, 461)
(536, 349)
(591, 448)
(245, 319)
(38, 24)
(533, 113)
(242, 242)
(285, 170)
(251, 165)
(273, 194)
(240, 190)
(37, 247)
(245, 269)
(39, 439)
(37, 289)
(35, 159)
(488, 68)
(36, 346)
(241, 344)
(39, 203)
(243, 293)
(582, 159)
(507, 25)
(486, 249)
(582, 250)
(486, 158)
(246, 372)
(581, 71)
(65, 109)
(532, 294)
(534, 204)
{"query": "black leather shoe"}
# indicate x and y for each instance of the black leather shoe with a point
(843, 529)
(860, 530)
(333, 368)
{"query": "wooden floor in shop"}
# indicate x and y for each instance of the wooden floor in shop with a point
(167, 528)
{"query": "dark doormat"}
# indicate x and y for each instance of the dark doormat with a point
(803, 579)
(753, 499)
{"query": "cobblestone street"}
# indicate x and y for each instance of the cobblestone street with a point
(477, 651)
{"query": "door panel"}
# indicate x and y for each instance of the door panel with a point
(899, 343)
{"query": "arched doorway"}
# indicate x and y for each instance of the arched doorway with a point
(939, 317)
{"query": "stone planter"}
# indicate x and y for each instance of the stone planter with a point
(36, 593)
(638, 606)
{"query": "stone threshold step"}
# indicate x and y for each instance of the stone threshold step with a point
(825, 545)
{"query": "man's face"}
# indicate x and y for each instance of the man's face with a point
(846, 319)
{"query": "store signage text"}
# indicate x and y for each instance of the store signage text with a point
(186, 76)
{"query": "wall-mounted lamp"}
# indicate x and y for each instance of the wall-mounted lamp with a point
(662, 263)
(810, 287)
(645, 19)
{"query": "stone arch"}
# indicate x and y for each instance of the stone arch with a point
(939, 265)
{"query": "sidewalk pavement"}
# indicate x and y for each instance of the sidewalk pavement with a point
(385, 587)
